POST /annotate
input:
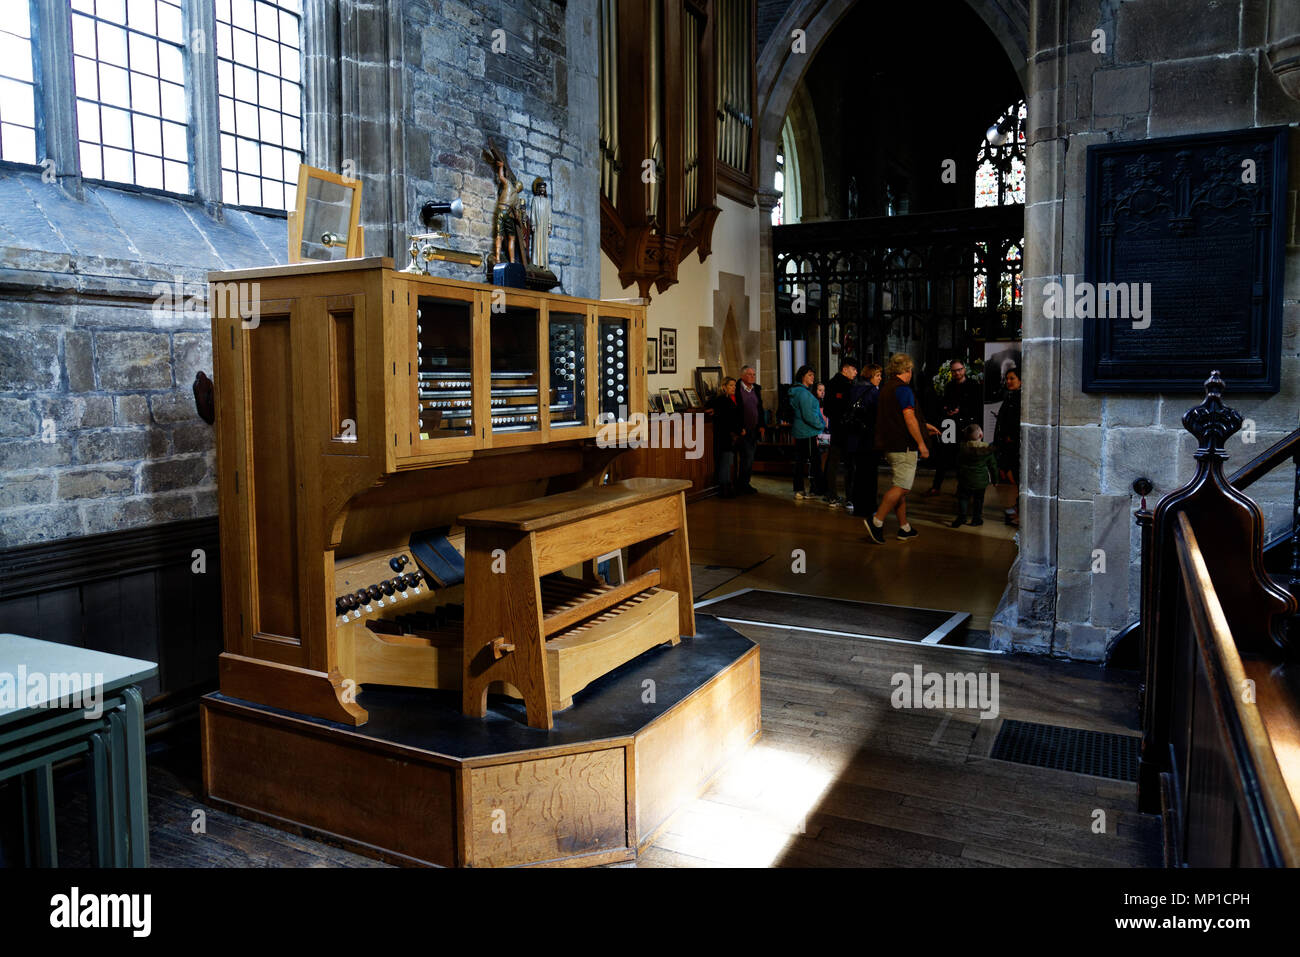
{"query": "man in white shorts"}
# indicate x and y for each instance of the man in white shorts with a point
(900, 436)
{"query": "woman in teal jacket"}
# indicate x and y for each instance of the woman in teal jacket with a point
(808, 424)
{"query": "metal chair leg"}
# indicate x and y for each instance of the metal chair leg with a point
(47, 847)
(117, 774)
(137, 783)
(100, 801)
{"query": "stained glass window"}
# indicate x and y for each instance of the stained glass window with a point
(1000, 170)
(981, 276)
(778, 184)
(1012, 267)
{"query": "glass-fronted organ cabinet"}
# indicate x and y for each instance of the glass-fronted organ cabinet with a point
(515, 390)
(527, 371)
(568, 367)
(444, 343)
(613, 341)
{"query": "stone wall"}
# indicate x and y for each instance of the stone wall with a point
(98, 429)
(99, 348)
(532, 89)
(1169, 67)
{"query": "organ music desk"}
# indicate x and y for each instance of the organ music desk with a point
(411, 502)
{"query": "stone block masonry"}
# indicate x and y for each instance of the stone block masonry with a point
(1168, 67)
(523, 75)
(98, 425)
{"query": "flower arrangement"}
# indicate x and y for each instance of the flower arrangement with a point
(974, 372)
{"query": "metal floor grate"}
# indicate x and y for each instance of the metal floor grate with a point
(1099, 753)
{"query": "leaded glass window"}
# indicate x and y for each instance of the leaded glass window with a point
(129, 71)
(259, 93)
(1000, 169)
(17, 86)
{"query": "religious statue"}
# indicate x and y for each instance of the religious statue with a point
(520, 230)
(541, 224)
(507, 224)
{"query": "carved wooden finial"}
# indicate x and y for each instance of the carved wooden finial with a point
(1212, 422)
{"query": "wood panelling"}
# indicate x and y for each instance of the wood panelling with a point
(524, 803)
(673, 463)
(540, 811)
(678, 754)
(151, 593)
(273, 484)
(323, 783)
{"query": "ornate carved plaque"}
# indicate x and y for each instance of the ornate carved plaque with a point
(1183, 263)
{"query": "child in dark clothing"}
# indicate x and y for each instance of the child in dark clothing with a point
(977, 466)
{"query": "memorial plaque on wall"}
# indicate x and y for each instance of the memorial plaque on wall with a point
(1183, 263)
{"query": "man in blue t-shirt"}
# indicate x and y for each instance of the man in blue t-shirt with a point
(900, 434)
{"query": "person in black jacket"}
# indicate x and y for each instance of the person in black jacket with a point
(1006, 442)
(749, 397)
(859, 420)
(728, 433)
(962, 402)
(837, 400)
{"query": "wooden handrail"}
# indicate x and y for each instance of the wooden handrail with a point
(1261, 786)
(1265, 462)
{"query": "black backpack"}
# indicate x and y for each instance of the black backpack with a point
(860, 415)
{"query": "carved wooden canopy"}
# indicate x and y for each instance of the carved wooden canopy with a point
(676, 128)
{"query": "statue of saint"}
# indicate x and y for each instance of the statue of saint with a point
(506, 220)
(541, 223)
(507, 224)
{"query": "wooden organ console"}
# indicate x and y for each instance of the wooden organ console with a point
(361, 407)
(411, 498)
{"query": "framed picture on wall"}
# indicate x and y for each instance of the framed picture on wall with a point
(651, 354)
(666, 400)
(707, 380)
(667, 350)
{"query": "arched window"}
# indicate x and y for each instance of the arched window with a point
(778, 184)
(1000, 181)
(789, 208)
(1000, 173)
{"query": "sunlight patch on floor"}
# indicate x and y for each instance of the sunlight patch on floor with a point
(752, 810)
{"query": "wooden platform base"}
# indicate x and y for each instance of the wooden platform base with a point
(421, 784)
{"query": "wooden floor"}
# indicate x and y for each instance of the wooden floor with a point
(962, 569)
(839, 778)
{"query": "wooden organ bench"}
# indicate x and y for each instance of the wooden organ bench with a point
(549, 636)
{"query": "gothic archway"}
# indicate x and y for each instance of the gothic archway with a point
(780, 72)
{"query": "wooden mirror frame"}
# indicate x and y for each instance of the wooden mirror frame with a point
(356, 247)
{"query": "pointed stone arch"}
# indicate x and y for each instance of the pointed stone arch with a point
(780, 71)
